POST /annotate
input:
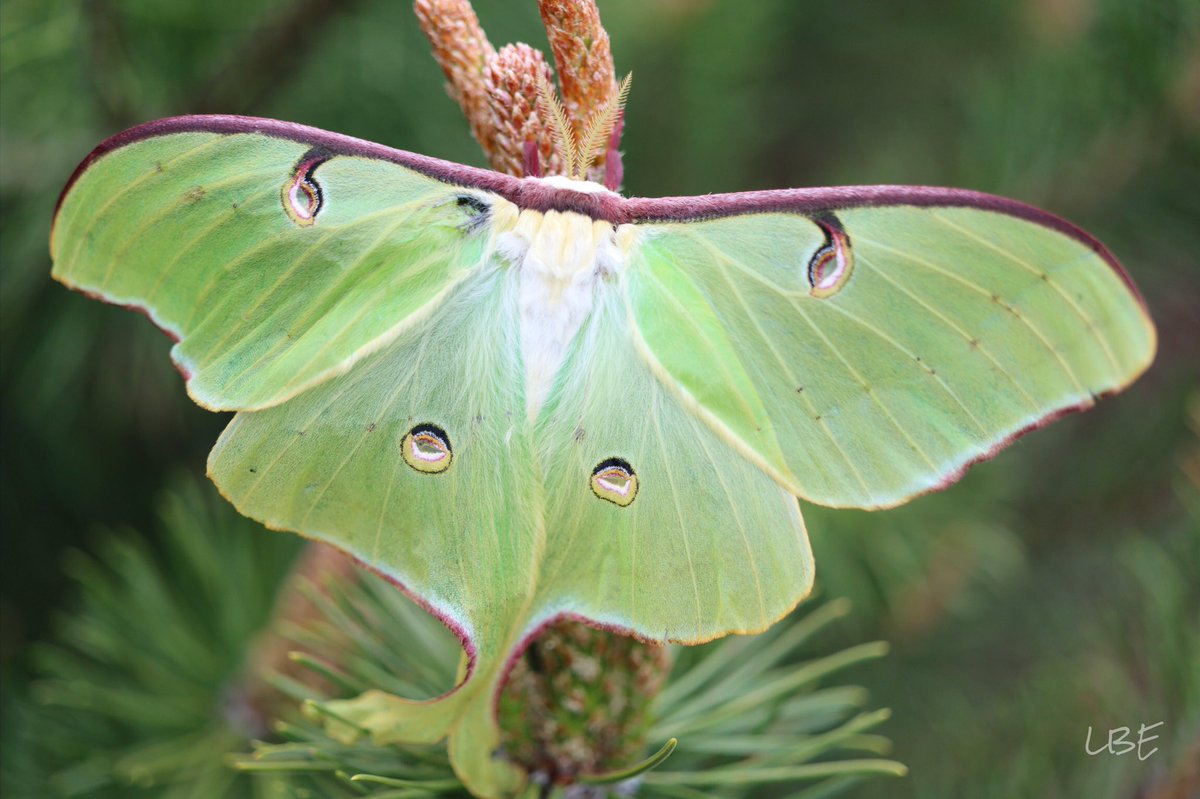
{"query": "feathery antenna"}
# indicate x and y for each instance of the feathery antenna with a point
(577, 152)
(564, 132)
(600, 127)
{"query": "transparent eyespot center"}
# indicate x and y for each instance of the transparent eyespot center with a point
(615, 481)
(426, 448)
(302, 196)
(830, 267)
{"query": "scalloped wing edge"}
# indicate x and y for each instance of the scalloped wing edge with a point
(537, 627)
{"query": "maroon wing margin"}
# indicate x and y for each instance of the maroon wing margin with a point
(813, 202)
(527, 193)
(611, 207)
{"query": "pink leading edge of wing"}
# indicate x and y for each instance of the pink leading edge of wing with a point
(536, 195)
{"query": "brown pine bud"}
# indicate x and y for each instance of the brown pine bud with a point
(522, 142)
(462, 50)
(583, 58)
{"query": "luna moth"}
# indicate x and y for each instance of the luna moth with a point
(524, 400)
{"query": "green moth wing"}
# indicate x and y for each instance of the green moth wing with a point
(460, 529)
(522, 402)
(949, 322)
(693, 542)
(279, 257)
(203, 229)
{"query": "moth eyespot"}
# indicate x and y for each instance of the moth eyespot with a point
(426, 448)
(830, 266)
(302, 195)
(615, 481)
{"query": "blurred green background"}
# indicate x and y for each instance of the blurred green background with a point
(1056, 588)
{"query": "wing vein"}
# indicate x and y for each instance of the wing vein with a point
(734, 504)
(756, 276)
(336, 396)
(332, 288)
(389, 402)
(191, 244)
(787, 370)
(1043, 277)
(326, 234)
(1066, 367)
(96, 215)
(912, 358)
(869, 390)
(730, 380)
(687, 550)
(978, 346)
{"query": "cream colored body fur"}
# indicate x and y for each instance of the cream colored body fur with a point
(561, 258)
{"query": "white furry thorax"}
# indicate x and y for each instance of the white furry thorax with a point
(562, 259)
